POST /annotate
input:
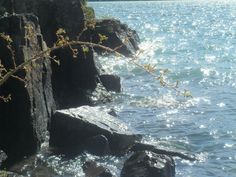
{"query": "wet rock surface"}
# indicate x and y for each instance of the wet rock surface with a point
(148, 164)
(92, 169)
(147, 147)
(71, 128)
(32, 166)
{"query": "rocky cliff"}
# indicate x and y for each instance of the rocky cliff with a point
(24, 120)
(32, 25)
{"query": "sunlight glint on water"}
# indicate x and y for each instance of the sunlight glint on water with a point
(197, 42)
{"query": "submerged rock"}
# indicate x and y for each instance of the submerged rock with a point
(119, 36)
(24, 120)
(71, 128)
(33, 166)
(148, 164)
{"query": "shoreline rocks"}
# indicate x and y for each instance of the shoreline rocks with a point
(119, 37)
(71, 128)
(92, 169)
(148, 164)
(24, 120)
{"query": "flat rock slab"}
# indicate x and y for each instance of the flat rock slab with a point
(72, 128)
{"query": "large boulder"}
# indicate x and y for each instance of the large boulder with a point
(71, 128)
(75, 80)
(76, 77)
(119, 36)
(148, 164)
(24, 120)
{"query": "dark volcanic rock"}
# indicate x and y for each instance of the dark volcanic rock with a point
(74, 79)
(66, 14)
(148, 164)
(52, 14)
(71, 128)
(119, 36)
(111, 82)
(24, 120)
(98, 145)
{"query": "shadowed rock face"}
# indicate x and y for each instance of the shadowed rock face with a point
(23, 121)
(74, 79)
(52, 14)
(71, 128)
(110, 82)
(148, 164)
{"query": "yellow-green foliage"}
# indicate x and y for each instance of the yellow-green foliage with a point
(3, 174)
(64, 41)
(102, 38)
(88, 12)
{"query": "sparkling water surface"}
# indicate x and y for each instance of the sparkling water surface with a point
(196, 41)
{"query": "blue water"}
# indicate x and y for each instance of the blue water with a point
(196, 41)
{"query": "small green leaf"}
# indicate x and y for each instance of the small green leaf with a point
(102, 38)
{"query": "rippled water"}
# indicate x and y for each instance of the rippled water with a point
(196, 41)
